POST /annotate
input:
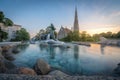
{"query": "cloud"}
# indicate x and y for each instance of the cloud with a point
(112, 15)
(105, 29)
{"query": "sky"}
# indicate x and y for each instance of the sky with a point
(94, 16)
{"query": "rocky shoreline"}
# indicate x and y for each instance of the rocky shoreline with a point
(41, 70)
(52, 77)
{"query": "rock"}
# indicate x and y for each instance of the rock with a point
(117, 70)
(41, 67)
(3, 68)
(5, 48)
(9, 64)
(1, 56)
(6, 52)
(12, 71)
(27, 71)
(118, 43)
(15, 50)
(6, 65)
(58, 73)
(2, 65)
(0, 50)
(21, 70)
(8, 56)
(47, 77)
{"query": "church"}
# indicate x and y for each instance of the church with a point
(63, 32)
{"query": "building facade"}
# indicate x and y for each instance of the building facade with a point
(63, 32)
(11, 30)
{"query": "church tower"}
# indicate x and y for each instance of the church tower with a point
(76, 24)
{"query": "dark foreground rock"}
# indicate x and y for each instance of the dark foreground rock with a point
(15, 49)
(8, 56)
(7, 52)
(27, 71)
(117, 70)
(57, 73)
(0, 50)
(6, 65)
(49, 77)
(21, 70)
(42, 67)
(6, 48)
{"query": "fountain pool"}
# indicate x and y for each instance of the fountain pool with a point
(76, 60)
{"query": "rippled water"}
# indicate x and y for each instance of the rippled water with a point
(76, 60)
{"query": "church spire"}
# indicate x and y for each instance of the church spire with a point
(76, 24)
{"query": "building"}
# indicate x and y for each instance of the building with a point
(11, 30)
(63, 32)
(76, 23)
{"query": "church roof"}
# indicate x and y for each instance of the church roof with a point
(65, 30)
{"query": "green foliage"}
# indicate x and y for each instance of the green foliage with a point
(22, 35)
(118, 35)
(85, 37)
(1, 16)
(96, 37)
(3, 35)
(8, 22)
(55, 34)
(110, 35)
(5, 20)
(72, 36)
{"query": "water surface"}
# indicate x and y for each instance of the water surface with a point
(76, 60)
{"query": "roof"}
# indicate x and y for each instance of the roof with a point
(67, 30)
(16, 25)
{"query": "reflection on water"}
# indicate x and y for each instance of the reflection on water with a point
(77, 60)
(51, 52)
(76, 52)
(23, 47)
(102, 49)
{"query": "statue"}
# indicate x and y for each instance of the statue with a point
(51, 32)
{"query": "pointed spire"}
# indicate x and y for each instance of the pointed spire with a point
(76, 24)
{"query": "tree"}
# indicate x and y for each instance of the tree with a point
(5, 20)
(72, 36)
(1, 16)
(118, 35)
(96, 37)
(109, 34)
(22, 35)
(42, 31)
(75, 36)
(8, 22)
(3, 35)
(83, 36)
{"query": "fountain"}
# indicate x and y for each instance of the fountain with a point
(50, 38)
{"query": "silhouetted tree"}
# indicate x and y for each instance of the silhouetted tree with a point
(3, 35)
(8, 22)
(1, 16)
